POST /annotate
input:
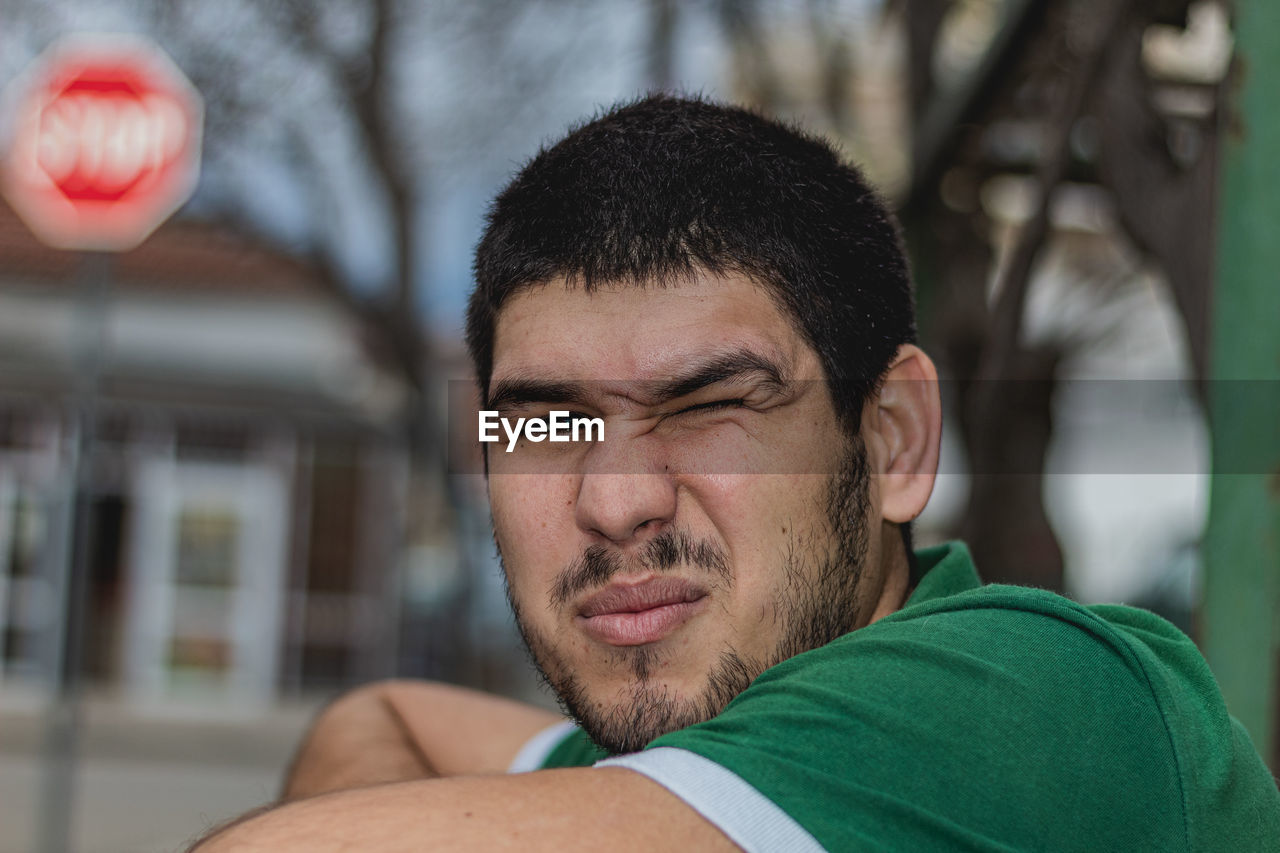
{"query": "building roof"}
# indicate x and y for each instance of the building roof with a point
(197, 316)
(180, 255)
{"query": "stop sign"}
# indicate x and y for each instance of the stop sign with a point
(103, 142)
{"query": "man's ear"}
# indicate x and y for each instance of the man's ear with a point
(903, 426)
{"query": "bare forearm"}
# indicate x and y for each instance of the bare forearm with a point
(552, 810)
(361, 739)
(396, 731)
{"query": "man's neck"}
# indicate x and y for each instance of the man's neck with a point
(895, 572)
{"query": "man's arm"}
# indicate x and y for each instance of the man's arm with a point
(397, 731)
(553, 810)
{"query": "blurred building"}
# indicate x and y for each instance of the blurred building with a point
(248, 477)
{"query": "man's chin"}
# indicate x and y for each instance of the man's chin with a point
(625, 714)
(626, 719)
(631, 695)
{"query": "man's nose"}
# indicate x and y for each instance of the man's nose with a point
(625, 492)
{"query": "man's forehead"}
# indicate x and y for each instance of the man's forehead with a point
(640, 334)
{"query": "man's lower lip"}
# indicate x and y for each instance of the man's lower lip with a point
(644, 626)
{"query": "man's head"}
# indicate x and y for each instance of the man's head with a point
(652, 192)
(730, 298)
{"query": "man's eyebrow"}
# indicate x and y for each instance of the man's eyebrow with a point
(738, 364)
(513, 393)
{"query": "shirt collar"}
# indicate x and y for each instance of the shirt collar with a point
(947, 570)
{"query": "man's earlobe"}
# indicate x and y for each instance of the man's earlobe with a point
(907, 423)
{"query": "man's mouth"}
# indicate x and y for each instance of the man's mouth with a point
(632, 614)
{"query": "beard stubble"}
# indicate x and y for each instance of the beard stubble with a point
(817, 601)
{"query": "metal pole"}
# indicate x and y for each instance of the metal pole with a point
(1240, 630)
(57, 803)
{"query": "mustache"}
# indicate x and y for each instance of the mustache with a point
(667, 551)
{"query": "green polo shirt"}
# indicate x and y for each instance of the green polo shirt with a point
(975, 718)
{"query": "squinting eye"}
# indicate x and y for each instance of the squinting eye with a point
(713, 405)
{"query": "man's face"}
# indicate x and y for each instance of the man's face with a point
(723, 525)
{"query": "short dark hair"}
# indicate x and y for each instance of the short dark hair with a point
(653, 190)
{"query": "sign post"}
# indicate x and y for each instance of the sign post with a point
(101, 144)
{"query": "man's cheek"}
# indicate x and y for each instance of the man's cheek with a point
(530, 540)
(514, 513)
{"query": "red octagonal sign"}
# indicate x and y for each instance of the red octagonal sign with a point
(103, 142)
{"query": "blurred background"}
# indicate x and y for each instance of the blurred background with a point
(225, 494)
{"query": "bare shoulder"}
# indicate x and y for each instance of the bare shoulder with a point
(576, 809)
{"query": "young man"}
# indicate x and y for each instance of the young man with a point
(721, 591)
